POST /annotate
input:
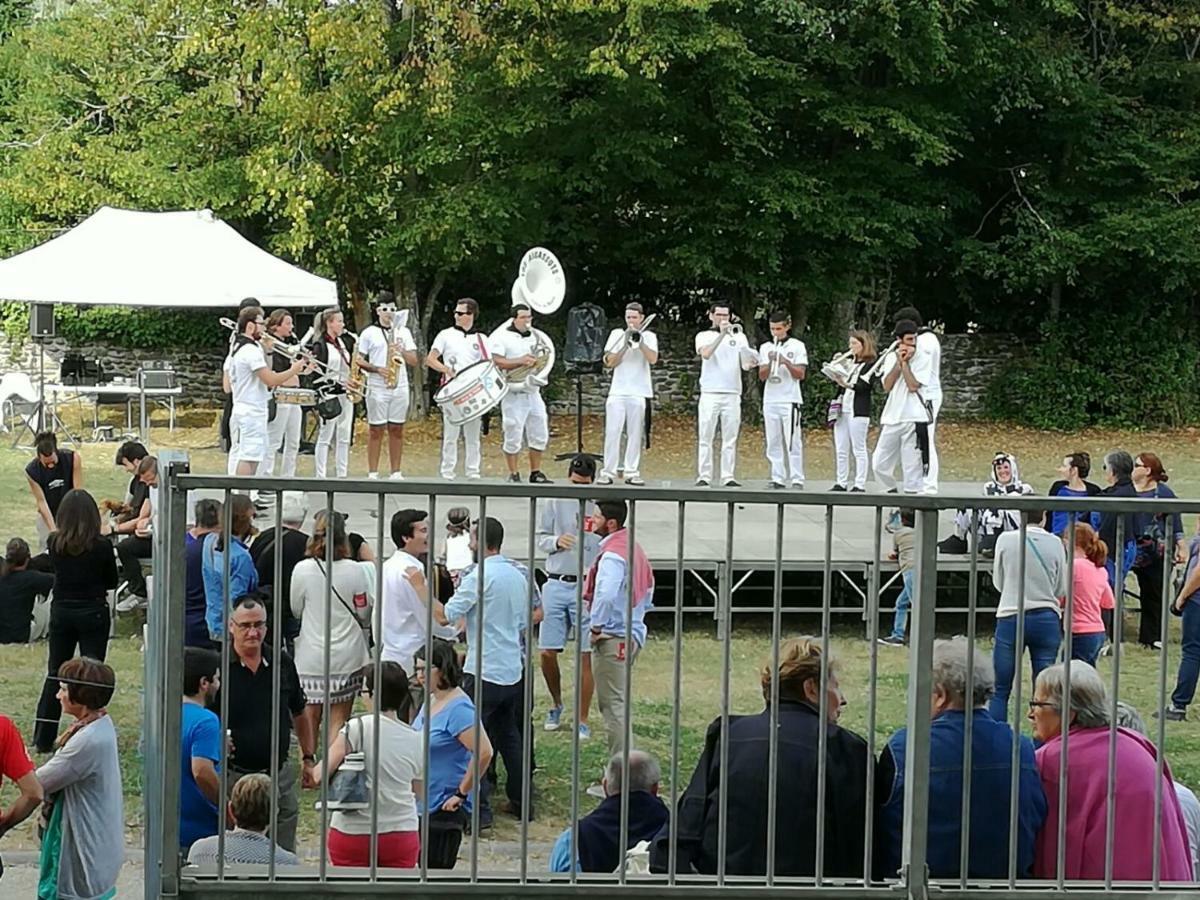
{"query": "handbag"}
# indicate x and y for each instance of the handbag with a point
(1151, 545)
(834, 413)
(364, 624)
(329, 407)
(348, 787)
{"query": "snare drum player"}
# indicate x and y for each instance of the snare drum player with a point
(523, 410)
(453, 350)
(250, 381)
(782, 364)
(725, 352)
(334, 350)
(629, 352)
(284, 429)
(387, 407)
(905, 420)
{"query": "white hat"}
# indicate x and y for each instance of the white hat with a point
(295, 507)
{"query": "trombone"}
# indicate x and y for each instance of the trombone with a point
(874, 370)
(293, 352)
(631, 336)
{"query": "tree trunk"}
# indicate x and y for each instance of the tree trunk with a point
(1055, 299)
(420, 317)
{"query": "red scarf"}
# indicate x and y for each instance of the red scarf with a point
(643, 574)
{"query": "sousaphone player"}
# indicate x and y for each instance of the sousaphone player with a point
(517, 346)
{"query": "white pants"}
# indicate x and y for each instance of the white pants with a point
(850, 434)
(931, 478)
(470, 434)
(525, 421)
(898, 443)
(785, 442)
(339, 428)
(626, 414)
(727, 409)
(283, 429)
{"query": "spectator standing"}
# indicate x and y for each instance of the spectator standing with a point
(51, 475)
(1187, 606)
(195, 605)
(559, 527)
(405, 590)
(1074, 470)
(19, 589)
(451, 777)
(1092, 595)
(904, 539)
(1118, 471)
(243, 578)
(83, 843)
(1155, 535)
(606, 592)
(504, 594)
(200, 747)
(457, 549)
(990, 777)
(16, 766)
(337, 623)
(1045, 582)
(248, 843)
(249, 685)
(292, 542)
(84, 572)
(400, 764)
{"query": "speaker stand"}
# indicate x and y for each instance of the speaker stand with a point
(578, 373)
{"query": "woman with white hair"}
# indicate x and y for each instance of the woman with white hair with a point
(1087, 722)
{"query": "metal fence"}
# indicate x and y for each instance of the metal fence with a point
(506, 870)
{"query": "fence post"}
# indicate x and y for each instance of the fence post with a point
(916, 763)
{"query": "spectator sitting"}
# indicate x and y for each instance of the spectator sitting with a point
(1074, 470)
(904, 541)
(200, 747)
(51, 475)
(83, 845)
(243, 579)
(401, 761)
(597, 847)
(699, 815)
(19, 589)
(1087, 800)
(250, 809)
(195, 606)
(139, 544)
(993, 522)
(16, 766)
(1128, 717)
(125, 512)
(991, 772)
(1092, 595)
(293, 511)
(1187, 606)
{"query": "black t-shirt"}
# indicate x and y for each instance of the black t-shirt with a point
(250, 711)
(54, 482)
(86, 577)
(17, 593)
(262, 551)
(139, 493)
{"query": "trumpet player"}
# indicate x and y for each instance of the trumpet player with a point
(629, 352)
(454, 349)
(523, 410)
(851, 414)
(928, 345)
(724, 353)
(334, 350)
(904, 435)
(387, 405)
(783, 363)
(284, 428)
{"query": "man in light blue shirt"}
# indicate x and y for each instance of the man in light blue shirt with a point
(499, 661)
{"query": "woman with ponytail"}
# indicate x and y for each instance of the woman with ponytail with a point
(1092, 594)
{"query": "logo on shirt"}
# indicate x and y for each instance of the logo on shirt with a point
(360, 601)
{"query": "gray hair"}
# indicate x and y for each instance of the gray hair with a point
(1119, 463)
(1129, 717)
(644, 773)
(1089, 699)
(949, 670)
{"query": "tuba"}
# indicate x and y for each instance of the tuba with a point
(537, 374)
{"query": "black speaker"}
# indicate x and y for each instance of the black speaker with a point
(41, 320)
(587, 330)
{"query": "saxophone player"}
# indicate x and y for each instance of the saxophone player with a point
(523, 410)
(386, 350)
(783, 362)
(629, 352)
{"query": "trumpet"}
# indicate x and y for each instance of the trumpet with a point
(775, 377)
(840, 368)
(734, 328)
(874, 370)
(631, 336)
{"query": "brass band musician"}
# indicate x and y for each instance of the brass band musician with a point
(386, 349)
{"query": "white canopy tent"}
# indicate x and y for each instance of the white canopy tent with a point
(179, 260)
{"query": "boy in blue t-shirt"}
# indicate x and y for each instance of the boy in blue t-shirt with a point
(200, 748)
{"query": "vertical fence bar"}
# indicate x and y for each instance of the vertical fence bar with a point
(773, 740)
(726, 622)
(276, 678)
(527, 694)
(577, 686)
(1063, 772)
(872, 697)
(330, 539)
(430, 685)
(627, 689)
(1014, 782)
(477, 688)
(1161, 737)
(823, 704)
(1110, 819)
(677, 692)
(376, 662)
(226, 639)
(964, 846)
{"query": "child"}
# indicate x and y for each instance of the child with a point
(1092, 593)
(458, 541)
(904, 538)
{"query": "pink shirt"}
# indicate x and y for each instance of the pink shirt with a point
(1092, 594)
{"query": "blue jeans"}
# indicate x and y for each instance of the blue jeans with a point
(1189, 665)
(903, 602)
(1043, 632)
(1110, 564)
(1086, 647)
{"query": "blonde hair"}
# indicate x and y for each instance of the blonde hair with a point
(250, 801)
(799, 662)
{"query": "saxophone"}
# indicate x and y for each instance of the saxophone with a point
(356, 384)
(391, 377)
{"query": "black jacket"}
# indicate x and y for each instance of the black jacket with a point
(1108, 520)
(796, 800)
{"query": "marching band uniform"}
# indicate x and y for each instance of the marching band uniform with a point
(386, 406)
(782, 404)
(523, 411)
(335, 355)
(720, 401)
(929, 345)
(850, 430)
(248, 421)
(283, 429)
(903, 412)
(625, 409)
(459, 349)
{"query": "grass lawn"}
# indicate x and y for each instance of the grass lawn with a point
(966, 453)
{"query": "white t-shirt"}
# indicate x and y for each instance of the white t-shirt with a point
(457, 349)
(250, 395)
(928, 343)
(721, 373)
(512, 344)
(903, 405)
(401, 760)
(788, 389)
(631, 376)
(404, 613)
(373, 344)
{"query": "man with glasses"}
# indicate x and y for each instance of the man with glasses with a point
(453, 350)
(249, 681)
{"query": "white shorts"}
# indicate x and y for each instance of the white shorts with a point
(386, 407)
(525, 420)
(248, 436)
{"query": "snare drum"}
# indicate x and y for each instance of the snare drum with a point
(472, 392)
(296, 396)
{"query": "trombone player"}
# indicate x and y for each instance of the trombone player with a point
(724, 353)
(783, 363)
(629, 352)
(523, 411)
(387, 382)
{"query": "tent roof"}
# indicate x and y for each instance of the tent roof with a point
(180, 260)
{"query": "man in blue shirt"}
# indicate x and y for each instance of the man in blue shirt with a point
(200, 748)
(499, 661)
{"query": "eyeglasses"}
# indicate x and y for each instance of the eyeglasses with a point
(462, 312)
(1036, 704)
(258, 625)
